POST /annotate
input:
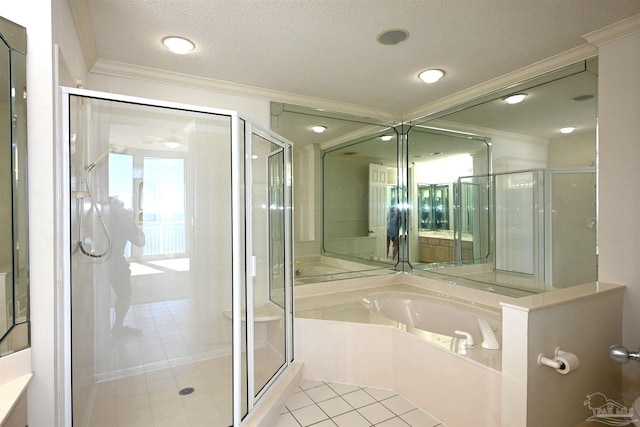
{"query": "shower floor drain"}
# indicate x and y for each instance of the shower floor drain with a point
(187, 390)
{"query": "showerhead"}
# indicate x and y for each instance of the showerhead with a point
(112, 148)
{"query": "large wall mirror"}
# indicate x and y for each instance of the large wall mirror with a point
(494, 194)
(14, 242)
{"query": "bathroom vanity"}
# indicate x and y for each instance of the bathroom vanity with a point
(438, 246)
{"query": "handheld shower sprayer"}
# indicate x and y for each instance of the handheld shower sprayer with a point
(111, 148)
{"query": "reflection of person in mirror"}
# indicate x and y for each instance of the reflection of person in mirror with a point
(122, 229)
(393, 231)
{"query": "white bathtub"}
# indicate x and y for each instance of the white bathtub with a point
(373, 336)
(430, 316)
(435, 314)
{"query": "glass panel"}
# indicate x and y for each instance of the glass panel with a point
(244, 366)
(362, 178)
(6, 200)
(277, 265)
(573, 228)
(473, 221)
(438, 159)
(267, 195)
(425, 208)
(516, 222)
(151, 262)
(526, 147)
(162, 205)
(433, 207)
(289, 248)
(14, 244)
(521, 137)
(341, 251)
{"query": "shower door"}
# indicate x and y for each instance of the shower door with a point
(179, 249)
(268, 198)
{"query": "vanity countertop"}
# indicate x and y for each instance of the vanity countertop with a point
(444, 235)
(10, 393)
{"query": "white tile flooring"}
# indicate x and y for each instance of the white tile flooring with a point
(153, 365)
(328, 404)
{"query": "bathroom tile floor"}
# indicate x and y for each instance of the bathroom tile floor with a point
(148, 369)
(328, 404)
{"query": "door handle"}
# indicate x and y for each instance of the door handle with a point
(620, 354)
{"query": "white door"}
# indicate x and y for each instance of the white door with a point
(378, 208)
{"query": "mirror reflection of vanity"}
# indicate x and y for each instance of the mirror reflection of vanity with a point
(494, 196)
(14, 244)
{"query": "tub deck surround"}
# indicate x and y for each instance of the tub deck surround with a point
(435, 380)
(585, 320)
(484, 277)
(348, 306)
(561, 296)
(315, 269)
(433, 377)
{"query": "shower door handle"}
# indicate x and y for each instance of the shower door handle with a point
(620, 354)
(254, 266)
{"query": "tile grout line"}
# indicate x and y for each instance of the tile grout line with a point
(353, 409)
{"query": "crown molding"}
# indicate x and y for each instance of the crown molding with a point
(614, 31)
(536, 69)
(119, 69)
(82, 19)
(358, 133)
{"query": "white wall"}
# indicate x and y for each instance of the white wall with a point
(578, 321)
(443, 170)
(572, 151)
(512, 152)
(256, 110)
(619, 199)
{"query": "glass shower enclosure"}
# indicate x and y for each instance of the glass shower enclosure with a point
(180, 289)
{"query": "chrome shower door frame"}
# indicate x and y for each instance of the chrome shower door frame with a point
(241, 247)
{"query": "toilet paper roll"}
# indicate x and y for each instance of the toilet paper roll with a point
(568, 362)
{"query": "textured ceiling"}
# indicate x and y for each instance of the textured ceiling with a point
(327, 49)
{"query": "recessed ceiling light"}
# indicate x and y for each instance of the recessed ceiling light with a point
(568, 129)
(390, 37)
(386, 137)
(516, 98)
(318, 128)
(431, 76)
(178, 45)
